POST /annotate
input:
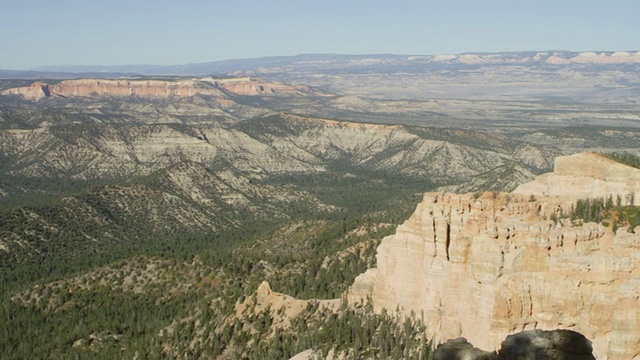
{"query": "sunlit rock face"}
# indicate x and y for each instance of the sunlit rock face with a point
(586, 175)
(482, 266)
(148, 88)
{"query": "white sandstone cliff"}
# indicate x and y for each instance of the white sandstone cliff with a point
(585, 175)
(484, 266)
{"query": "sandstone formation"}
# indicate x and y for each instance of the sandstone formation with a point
(586, 175)
(483, 266)
(266, 299)
(254, 86)
(153, 88)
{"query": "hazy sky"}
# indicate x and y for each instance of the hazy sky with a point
(109, 32)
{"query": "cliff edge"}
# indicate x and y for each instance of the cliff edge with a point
(483, 266)
(585, 175)
(152, 88)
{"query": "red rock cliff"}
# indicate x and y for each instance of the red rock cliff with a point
(152, 88)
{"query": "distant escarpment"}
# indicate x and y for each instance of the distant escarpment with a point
(486, 265)
(152, 88)
(548, 57)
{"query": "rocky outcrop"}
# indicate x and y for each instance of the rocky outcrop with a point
(35, 91)
(461, 349)
(148, 88)
(526, 345)
(552, 345)
(254, 86)
(483, 266)
(601, 58)
(586, 175)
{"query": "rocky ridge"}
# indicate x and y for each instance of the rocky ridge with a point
(321, 62)
(585, 175)
(548, 57)
(259, 146)
(486, 265)
(150, 88)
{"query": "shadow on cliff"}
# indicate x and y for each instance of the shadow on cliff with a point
(526, 345)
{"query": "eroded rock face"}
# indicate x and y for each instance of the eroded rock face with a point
(255, 86)
(585, 175)
(484, 266)
(152, 88)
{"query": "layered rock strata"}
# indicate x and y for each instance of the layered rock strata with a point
(586, 175)
(483, 266)
(153, 88)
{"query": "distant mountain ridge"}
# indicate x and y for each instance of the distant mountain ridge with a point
(336, 61)
(153, 88)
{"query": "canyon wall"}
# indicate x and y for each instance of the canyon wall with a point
(482, 266)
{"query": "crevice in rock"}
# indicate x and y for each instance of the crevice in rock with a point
(46, 90)
(435, 235)
(447, 240)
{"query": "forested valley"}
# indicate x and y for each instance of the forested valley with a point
(137, 228)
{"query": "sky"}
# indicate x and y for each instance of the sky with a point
(171, 32)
